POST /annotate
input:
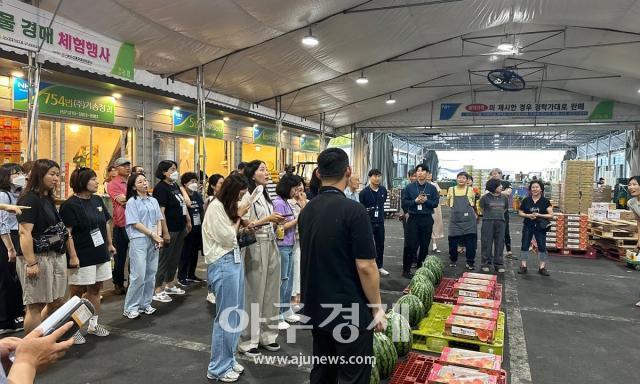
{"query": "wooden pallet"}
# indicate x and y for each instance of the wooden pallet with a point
(619, 234)
(589, 253)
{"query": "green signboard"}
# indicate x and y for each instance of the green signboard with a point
(310, 143)
(58, 100)
(186, 122)
(343, 141)
(265, 136)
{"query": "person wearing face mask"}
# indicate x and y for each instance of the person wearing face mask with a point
(175, 227)
(91, 247)
(193, 241)
(262, 266)
(42, 268)
(12, 180)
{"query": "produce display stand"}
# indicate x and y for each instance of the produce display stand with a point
(430, 335)
(415, 368)
(444, 292)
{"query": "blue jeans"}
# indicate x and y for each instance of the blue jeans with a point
(226, 281)
(286, 277)
(528, 233)
(143, 265)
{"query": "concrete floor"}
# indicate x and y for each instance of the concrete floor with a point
(577, 326)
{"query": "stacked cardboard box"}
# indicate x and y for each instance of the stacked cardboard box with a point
(555, 193)
(602, 194)
(568, 232)
(576, 192)
(608, 211)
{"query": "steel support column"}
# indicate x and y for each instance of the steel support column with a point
(201, 112)
(33, 77)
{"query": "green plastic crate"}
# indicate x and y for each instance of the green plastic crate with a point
(430, 336)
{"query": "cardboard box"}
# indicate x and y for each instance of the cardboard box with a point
(484, 362)
(471, 311)
(620, 214)
(470, 328)
(483, 276)
(468, 280)
(471, 290)
(576, 247)
(476, 302)
(603, 206)
(451, 374)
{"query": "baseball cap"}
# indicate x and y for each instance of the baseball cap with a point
(121, 161)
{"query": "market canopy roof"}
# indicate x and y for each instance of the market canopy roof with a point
(415, 51)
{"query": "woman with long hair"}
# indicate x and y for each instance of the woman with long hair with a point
(214, 184)
(144, 228)
(90, 245)
(42, 268)
(297, 203)
(286, 238)
(175, 227)
(225, 275)
(634, 205)
(536, 211)
(12, 180)
(262, 266)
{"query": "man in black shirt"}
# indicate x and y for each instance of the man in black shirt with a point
(339, 276)
(373, 197)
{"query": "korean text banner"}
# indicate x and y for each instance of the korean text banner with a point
(586, 110)
(72, 103)
(310, 143)
(26, 27)
(265, 136)
(187, 122)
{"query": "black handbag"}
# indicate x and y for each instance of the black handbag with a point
(54, 238)
(543, 224)
(246, 237)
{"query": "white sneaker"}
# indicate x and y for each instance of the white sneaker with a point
(237, 368)
(383, 272)
(293, 318)
(131, 314)
(211, 298)
(229, 377)
(283, 325)
(149, 310)
(162, 297)
(99, 331)
(174, 291)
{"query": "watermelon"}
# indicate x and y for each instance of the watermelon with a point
(418, 279)
(428, 272)
(435, 265)
(399, 331)
(385, 353)
(375, 375)
(424, 292)
(411, 308)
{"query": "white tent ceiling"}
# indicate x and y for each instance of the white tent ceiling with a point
(417, 50)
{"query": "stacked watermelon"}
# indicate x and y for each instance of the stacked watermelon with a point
(424, 290)
(428, 273)
(434, 264)
(399, 331)
(385, 353)
(375, 375)
(411, 308)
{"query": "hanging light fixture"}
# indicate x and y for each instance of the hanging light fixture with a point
(310, 40)
(362, 79)
(391, 100)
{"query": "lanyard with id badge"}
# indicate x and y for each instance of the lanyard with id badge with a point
(419, 206)
(94, 228)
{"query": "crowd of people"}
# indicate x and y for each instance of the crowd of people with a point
(264, 254)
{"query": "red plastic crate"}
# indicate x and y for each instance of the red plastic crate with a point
(444, 292)
(416, 367)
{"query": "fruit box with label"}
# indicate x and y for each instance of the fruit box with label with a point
(449, 374)
(485, 362)
(470, 328)
(469, 280)
(482, 313)
(472, 290)
(476, 302)
(481, 276)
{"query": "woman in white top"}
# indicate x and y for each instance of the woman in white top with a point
(225, 276)
(297, 203)
(262, 266)
(438, 225)
(213, 189)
